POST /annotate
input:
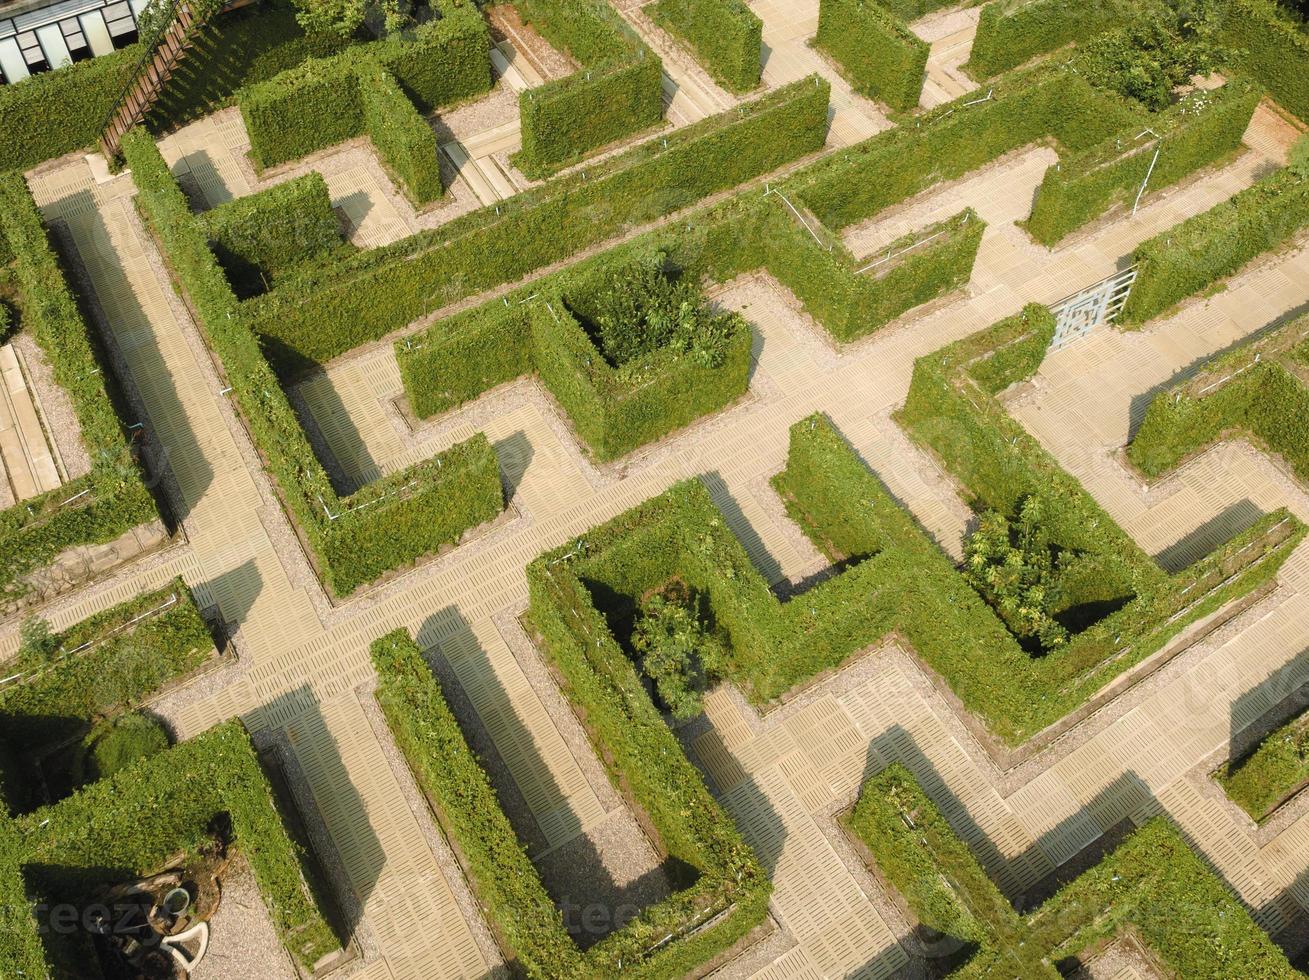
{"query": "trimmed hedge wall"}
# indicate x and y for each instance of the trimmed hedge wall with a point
(955, 139)
(1206, 247)
(617, 93)
(127, 663)
(644, 759)
(468, 809)
(1271, 46)
(726, 36)
(1013, 32)
(880, 57)
(1256, 389)
(852, 303)
(1267, 777)
(258, 237)
(403, 139)
(897, 580)
(112, 498)
(317, 316)
(668, 939)
(383, 526)
(1196, 132)
(372, 89)
(139, 819)
(1152, 883)
(613, 410)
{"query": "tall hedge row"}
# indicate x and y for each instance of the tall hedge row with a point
(730, 895)
(1268, 44)
(852, 298)
(327, 100)
(1206, 247)
(354, 539)
(726, 36)
(881, 57)
(139, 820)
(1198, 131)
(617, 92)
(1152, 885)
(1012, 32)
(104, 664)
(331, 310)
(258, 237)
(954, 139)
(404, 141)
(1256, 389)
(112, 498)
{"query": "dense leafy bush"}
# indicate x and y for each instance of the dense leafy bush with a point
(327, 100)
(117, 743)
(352, 540)
(726, 36)
(1206, 247)
(676, 650)
(617, 93)
(141, 819)
(1256, 390)
(1276, 769)
(1271, 46)
(1201, 129)
(1145, 60)
(881, 57)
(668, 939)
(1013, 566)
(112, 498)
(1152, 883)
(259, 237)
(1012, 32)
(345, 304)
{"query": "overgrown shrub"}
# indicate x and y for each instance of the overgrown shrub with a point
(1208, 246)
(881, 57)
(1145, 60)
(618, 91)
(1013, 566)
(726, 36)
(344, 304)
(259, 237)
(118, 742)
(676, 651)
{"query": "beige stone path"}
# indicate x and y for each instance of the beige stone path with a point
(950, 33)
(783, 776)
(27, 454)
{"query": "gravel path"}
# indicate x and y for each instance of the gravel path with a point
(242, 941)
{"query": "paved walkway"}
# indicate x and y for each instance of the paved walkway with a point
(783, 776)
